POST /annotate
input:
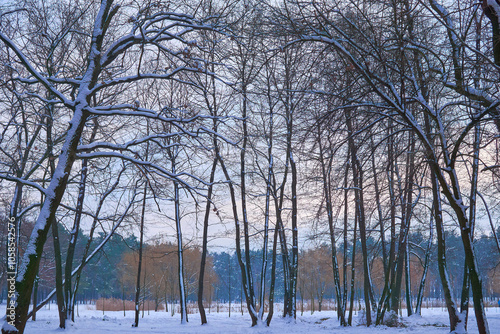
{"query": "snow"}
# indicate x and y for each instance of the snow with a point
(434, 320)
(8, 327)
(495, 5)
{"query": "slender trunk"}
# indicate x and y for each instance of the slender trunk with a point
(55, 235)
(284, 255)
(244, 215)
(346, 193)
(205, 244)
(453, 313)
(144, 292)
(290, 105)
(86, 259)
(243, 268)
(72, 244)
(464, 304)
(400, 29)
(379, 211)
(139, 265)
(266, 223)
(329, 210)
(420, 296)
(59, 280)
(295, 241)
(180, 252)
(123, 299)
(385, 298)
(391, 175)
(353, 268)
(408, 206)
(278, 204)
(229, 282)
(401, 255)
(358, 193)
(273, 278)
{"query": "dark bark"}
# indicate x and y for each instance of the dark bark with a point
(243, 268)
(358, 194)
(391, 175)
(86, 259)
(385, 298)
(273, 278)
(295, 240)
(490, 12)
(327, 192)
(35, 297)
(266, 221)
(180, 249)
(94, 225)
(443, 271)
(244, 214)
(13, 225)
(204, 249)
(58, 279)
(61, 307)
(31, 260)
(68, 293)
(379, 211)
(420, 296)
(345, 259)
(464, 303)
(408, 207)
(441, 245)
(139, 264)
(353, 269)
(402, 255)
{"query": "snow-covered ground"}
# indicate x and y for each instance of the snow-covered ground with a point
(92, 321)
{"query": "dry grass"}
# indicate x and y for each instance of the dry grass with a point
(113, 304)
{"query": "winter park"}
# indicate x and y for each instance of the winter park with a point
(250, 166)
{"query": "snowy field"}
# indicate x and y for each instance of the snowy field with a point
(92, 321)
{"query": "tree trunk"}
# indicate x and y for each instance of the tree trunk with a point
(329, 210)
(358, 193)
(345, 259)
(464, 304)
(35, 297)
(243, 268)
(204, 250)
(420, 297)
(29, 265)
(180, 253)
(266, 224)
(408, 207)
(58, 279)
(55, 233)
(273, 278)
(353, 269)
(139, 264)
(72, 245)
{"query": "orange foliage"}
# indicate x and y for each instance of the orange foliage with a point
(160, 274)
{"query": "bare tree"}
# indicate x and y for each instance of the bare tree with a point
(151, 27)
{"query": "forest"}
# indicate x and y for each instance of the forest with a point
(266, 153)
